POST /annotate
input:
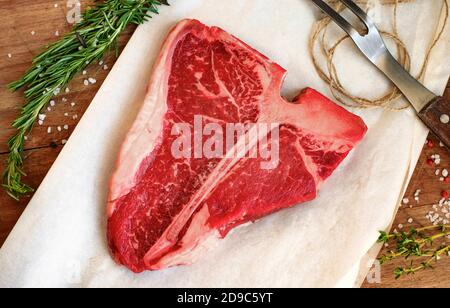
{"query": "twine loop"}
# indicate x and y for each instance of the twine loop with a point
(389, 100)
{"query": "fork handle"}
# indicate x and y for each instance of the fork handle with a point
(436, 115)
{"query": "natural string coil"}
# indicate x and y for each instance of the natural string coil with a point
(330, 75)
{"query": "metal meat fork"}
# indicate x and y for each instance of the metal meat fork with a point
(433, 110)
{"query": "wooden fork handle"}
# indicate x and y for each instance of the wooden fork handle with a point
(436, 115)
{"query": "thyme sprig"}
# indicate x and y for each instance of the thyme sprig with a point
(424, 246)
(96, 34)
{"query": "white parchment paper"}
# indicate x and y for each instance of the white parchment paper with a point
(60, 239)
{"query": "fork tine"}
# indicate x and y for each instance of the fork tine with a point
(358, 12)
(341, 21)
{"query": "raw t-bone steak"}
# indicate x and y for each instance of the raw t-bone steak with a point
(162, 207)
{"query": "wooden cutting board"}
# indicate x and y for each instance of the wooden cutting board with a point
(31, 24)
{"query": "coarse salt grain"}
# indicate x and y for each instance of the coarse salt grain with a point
(40, 122)
(42, 117)
(49, 109)
(75, 117)
(105, 67)
(56, 33)
(400, 226)
(33, 32)
(405, 201)
(445, 173)
(64, 141)
(52, 103)
(64, 99)
(86, 82)
(67, 90)
(410, 220)
(100, 63)
(49, 130)
(9, 55)
(66, 114)
(437, 172)
(92, 80)
(66, 127)
(72, 104)
(84, 72)
(59, 128)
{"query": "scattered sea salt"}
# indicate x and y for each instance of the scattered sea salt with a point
(405, 201)
(52, 103)
(72, 104)
(9, 55)
(33, 32)
(42, 117)
(105, 67)
(86, 82)
(64, 141)
(59, 128)
(64, 99)
(84, 72)
(40, 122)
(56, 33)
(445, 173)
(67, 90)
(100, 63)
(92, 80)
(49, 130)
(66, 127)
(410, 220)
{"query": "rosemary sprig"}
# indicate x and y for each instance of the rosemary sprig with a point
(51, 71)
(424, 244)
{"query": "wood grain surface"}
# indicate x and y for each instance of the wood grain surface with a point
(28, 25)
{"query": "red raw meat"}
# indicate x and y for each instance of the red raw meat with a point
(161, 209)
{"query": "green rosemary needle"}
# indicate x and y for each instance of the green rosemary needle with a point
(51, 71)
